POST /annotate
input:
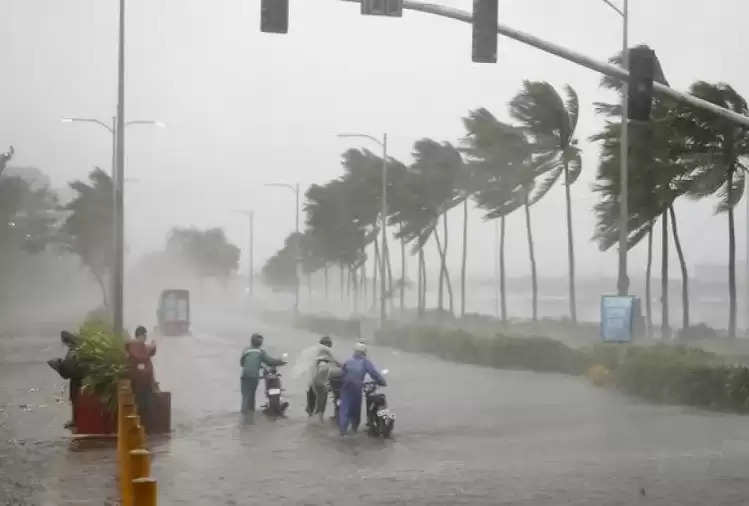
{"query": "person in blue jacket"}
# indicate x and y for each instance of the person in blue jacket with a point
(354, 371)
(252, 360)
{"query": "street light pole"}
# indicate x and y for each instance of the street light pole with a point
(623, 284)
(383, 219)
(119, 224)
(383, 314)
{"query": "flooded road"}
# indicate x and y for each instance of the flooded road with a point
(464, 435)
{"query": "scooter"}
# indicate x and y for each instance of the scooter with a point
(275, 406)
(380, 419)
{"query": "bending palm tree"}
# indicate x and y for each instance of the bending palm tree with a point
(551, 123)
(715, 147)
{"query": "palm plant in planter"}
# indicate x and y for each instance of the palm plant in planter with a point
(102, 355)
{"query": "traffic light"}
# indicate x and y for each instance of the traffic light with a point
(641, 72)
(274, 16)
(485, 20)
(393, 8)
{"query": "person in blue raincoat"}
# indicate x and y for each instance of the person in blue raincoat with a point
(252, 360)
(354, 371)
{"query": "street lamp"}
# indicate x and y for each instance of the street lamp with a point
(118, 170)
(298, 253)
(623, 279)
(384, 145)
(251, 255)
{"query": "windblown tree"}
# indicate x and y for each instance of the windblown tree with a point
(87, 231)
(207, 252)
(715, 148)
(502, 159)
(437, 166)
(551, 122)
(280, 270)
(657, 177)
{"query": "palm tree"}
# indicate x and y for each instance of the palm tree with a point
(715, 147)
(551, 123)
(657, 177)
(496, 153)
(438, 166)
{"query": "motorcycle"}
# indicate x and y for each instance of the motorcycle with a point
(275, 406)
(334, 387)
(380, 419)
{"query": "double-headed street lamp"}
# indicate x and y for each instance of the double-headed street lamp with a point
(297, 252)
(118, 160)
(112, 129)
(384, 145)
(623, 278)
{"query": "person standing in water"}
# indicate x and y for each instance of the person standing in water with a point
(354, 371)
(252, 359)
(325, 367)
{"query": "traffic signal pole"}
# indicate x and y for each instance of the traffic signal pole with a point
(623, 278)
(575, 57)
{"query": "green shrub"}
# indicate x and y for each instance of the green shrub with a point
(329, 325)
(102, 355)
(532, 353)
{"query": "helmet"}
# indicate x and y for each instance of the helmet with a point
(256, 340)
(140, 332)
(360, 348)
(326, 341)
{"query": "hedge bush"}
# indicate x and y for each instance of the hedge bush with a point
(659, 373)
(329, 325)
(501, 351)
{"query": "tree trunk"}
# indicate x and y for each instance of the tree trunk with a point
(731, 259)
(403, 273)
(444, 262)
(463, 263)
(325, 272)
(684, 274)
(355, 279)
(648, 270)
(502, 288)
(440, 287)
(340, 271)
(570, 247)
(665, 327)
(422, 284)
(444, 274)
(390, 277)
(532, 257)
(375, 269)
(103, 287)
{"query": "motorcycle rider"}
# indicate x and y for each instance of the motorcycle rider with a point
(354, 371)
(324, 367)
(253, 358)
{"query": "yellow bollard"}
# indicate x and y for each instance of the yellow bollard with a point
(132, 441)
(145, 492)
(140, 465)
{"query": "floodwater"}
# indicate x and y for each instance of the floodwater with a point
(464, 435)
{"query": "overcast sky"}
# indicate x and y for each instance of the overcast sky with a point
(245, 108)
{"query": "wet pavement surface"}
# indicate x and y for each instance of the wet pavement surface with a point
(464, 435)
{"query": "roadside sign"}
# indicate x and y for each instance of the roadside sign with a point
(618, 317)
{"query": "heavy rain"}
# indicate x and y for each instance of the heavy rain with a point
(401, 252)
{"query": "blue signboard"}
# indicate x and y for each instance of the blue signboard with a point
(617, 318)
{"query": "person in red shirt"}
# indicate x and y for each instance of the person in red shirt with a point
(141, 373)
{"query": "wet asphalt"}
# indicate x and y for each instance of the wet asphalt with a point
(464, 435)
